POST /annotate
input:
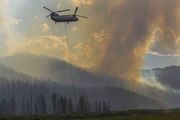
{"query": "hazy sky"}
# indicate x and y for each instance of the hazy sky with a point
(154, 61)
(25, 29)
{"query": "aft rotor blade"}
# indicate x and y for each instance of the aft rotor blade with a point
(82, 16)
(47, 9)
(76, 10)
(64, 10)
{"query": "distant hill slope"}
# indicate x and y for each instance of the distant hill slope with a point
(94, 85)
(57, 70)
(169, 76)
(10, 74)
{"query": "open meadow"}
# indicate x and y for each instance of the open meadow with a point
(125, 115)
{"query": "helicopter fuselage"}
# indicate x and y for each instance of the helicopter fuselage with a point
(64, 18)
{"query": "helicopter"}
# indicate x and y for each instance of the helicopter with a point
(64, 18)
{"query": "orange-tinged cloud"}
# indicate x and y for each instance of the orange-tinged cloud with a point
(44, 45)
(165, 43)
(45, 27)
(82, 2)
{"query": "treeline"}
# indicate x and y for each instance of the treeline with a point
(58, 104)
(36, 97)
(8, 107)
(62, 104)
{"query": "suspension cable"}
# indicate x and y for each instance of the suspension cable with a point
(70, 64)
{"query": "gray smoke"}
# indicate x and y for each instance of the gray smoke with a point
(130, 25)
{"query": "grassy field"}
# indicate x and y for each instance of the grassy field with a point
(126, 115)
(170, 116)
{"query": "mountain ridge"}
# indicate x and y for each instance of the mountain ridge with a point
(57, 70)
(168, 75)
(121, 99)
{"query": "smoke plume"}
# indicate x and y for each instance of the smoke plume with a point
(123, 32)
(130, 25)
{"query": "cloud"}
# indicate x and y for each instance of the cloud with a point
(59, 5)
(82, 2)
(45, 27)
(44, 45)
(7, 22)
(74, 28)
(4, 32)
(165, 43)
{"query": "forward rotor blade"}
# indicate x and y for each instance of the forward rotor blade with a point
(82, 16)
(76, 10)
(48, 9)
(49, 15)
(64, 10)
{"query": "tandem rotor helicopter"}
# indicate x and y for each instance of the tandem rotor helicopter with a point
(64, 18)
